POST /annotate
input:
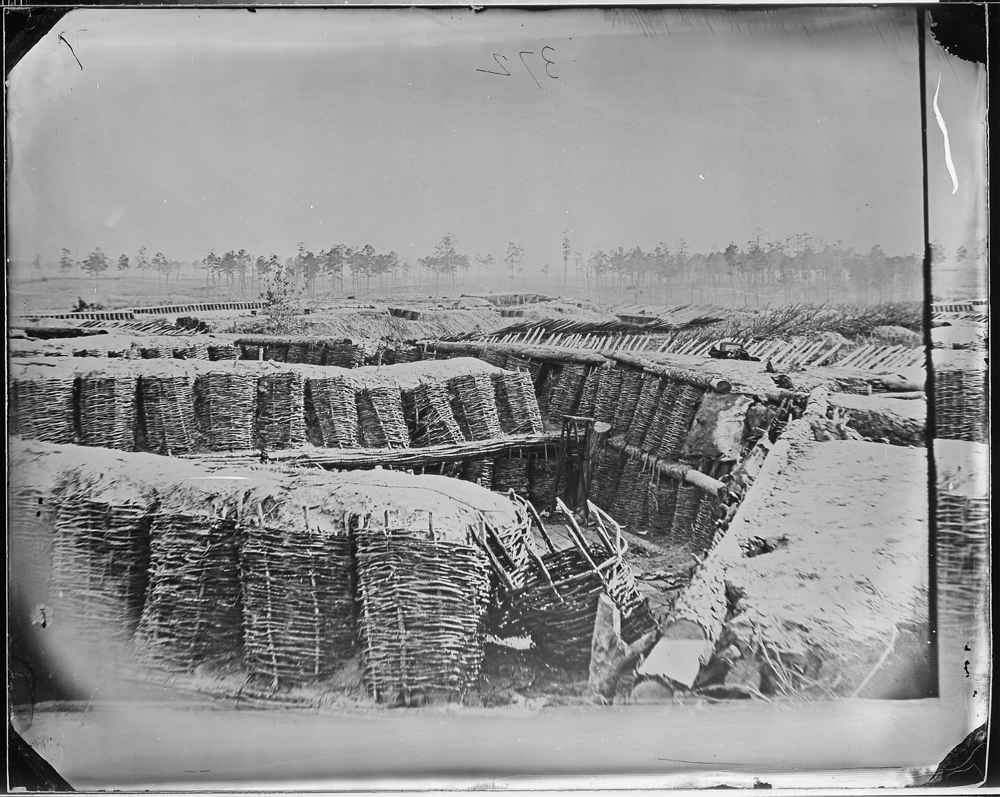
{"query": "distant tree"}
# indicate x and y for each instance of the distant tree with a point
(142, 262)
(309, 266)
(566, 250)
(547, 268)
(162, 266)
(487, 261)
(66, 262)
(513, 258)
(282, 300)
(961, 255)
(211, 265)
(36, 264)
(123, 265)
(95, 264)
(445, 259)
(332, 262)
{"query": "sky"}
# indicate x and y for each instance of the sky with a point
(185, 130)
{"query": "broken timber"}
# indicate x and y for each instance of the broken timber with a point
(389, 457)
(678, 471)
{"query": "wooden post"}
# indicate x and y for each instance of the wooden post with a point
(597, 438)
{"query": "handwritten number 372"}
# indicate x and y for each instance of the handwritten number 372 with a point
(548, 64)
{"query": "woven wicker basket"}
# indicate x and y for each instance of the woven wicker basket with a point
(298, 596)
(423, 612)
(193, 614)
(100, 563)
(108, 410)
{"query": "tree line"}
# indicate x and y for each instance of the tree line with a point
(796, 268)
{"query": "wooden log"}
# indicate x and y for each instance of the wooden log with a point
(711, 382)
(391, 457)
(678, 471)
(543, 353)
(596, 440)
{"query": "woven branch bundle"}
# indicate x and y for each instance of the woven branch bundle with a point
(961, 408)
(511, 473)
(100, 563)
(663, 502)
(344, 355)
(494, 357)
(682, 529)
(963, 555)
(541, 482)
(281, 411)
(473, 393)
(608, 392)
(423, 611)
(606, 476)
(703, 534)
(30, 538)
(276, 351)
(42, 409)
(479, 470)
(108, 410)
(681, 417)
(298, 352)
(588, 394)
(298, 603)
(223, 352)
(631, 487)
(662, 418)
(151, 353)
(562, 626)
(224, 409)
(332, 412)
(316, 353)
(627, 401)
(166, 406)
(545, 385)
(566, 392)
(191, 351)
(193, 613)
(645, 409)
(434, 421)
(381, 418)
(517, 407)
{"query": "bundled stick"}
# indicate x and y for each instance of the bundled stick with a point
(224, 409)
(100, 564)
(298, 593)
(193, 615)
(281, 410)
(166, 405)
(41, 403)
(517, 406)
(476, 406)
(108, 409)
(332, 412)
(423, 610)
(381, 418)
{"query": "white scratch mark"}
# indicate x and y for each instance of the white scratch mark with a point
(947, 147)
